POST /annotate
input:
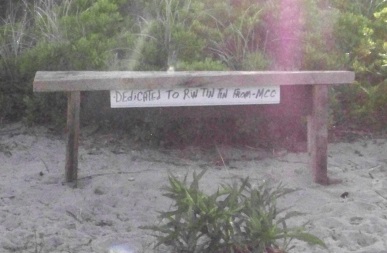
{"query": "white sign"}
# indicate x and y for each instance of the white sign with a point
(194, 97)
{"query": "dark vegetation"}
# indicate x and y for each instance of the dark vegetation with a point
(237, 218)
(204, 35)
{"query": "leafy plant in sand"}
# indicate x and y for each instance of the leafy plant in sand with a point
(237, 218)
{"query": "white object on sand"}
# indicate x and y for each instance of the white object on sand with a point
(120, 249)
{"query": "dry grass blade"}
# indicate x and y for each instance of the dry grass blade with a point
(220, 155)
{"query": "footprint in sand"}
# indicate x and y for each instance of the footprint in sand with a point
(355, 220)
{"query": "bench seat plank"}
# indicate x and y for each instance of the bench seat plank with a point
(132, 80)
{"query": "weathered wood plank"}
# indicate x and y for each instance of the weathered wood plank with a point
(127, 80)
(318, 134)
(73, 109)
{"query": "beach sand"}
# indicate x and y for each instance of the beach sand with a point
(119, 190)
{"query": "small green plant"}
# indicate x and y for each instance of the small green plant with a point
(237, 218)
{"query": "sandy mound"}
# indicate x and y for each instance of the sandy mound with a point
(119, 190)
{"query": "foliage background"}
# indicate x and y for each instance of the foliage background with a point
(197, 35)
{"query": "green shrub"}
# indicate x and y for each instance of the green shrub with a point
(204, 65)
(201, 35)
(360, 35)
(234, 33)
(236, 218)
(51, 35)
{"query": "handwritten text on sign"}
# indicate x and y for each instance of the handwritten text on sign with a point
(194, 97)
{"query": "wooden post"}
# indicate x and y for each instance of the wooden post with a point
(318, 134)
(73, 108)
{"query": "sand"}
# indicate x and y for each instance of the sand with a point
(119, 191)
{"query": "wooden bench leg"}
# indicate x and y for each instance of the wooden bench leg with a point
(318, 134)
(73, 108)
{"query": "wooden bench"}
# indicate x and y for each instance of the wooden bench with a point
(317, 83)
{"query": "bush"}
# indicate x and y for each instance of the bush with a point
(194, 35)
(52, 35)
(236, 218)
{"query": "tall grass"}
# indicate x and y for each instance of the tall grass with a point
(24, 24)
(47, 18)
(14, 36)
